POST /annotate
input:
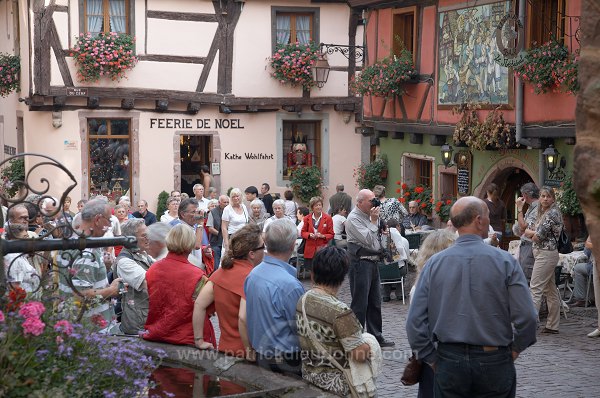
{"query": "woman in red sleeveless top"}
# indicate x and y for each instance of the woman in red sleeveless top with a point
(225, 289)
(173, 286)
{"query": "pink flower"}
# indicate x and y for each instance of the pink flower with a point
(33, 326)
(59, 340)
(1, 316)
(99, 320)
(33, 309)
(63, 326)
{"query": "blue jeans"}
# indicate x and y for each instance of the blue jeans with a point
(470, 371)
(216, 255)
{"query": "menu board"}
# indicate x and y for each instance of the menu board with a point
(463, 172)
(463, 179)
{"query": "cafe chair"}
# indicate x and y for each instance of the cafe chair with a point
(392, 273)
(562, 279)
(590, 289)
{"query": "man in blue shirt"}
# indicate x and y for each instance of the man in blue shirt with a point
(472, 300)
(272, 292)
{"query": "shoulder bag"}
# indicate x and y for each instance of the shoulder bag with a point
(563, 243)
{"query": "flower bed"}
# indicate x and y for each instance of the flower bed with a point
(10, 66)
(420, 194)
(292, 64)
(385, 77)
(42, 353)
(107, 54)
(550, 67)
(442, 209)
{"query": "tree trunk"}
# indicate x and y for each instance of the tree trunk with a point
(587, 150)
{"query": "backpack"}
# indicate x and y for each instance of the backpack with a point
(563, 243)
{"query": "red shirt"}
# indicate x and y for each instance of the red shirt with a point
(171, 284)
(228, 291)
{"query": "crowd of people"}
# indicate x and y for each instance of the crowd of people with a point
(472, 309)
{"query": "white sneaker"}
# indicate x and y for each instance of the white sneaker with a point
(595, 333)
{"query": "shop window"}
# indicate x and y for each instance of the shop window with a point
(546, 20)
(293, 24)
(301, 145)
(404, 30)
(105, 16)
(418, 171)
(109, 157)
(448, 186)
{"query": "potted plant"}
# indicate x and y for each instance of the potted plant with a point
(368, 175)
(292, 64)
(493, 133)
(420, 194)
(385, 77)
(442, 209)
(12, 176)
(162, 203)
(10, 66)
(306, 182)
(550, 67)
(106, 54)
(570, 207)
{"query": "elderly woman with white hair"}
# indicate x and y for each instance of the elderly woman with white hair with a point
(279, 210)
(235, 216)
(157, 240)
(258, 214)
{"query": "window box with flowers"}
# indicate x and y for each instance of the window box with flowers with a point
(550, 67)
(106, 54)
(420, 194)
(386, 77)
(10, 66)
(292, 64)
(493, 133)
(368, 175)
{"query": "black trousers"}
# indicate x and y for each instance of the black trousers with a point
(365, 288)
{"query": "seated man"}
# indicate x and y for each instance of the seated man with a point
(415, 220)
(581, 274)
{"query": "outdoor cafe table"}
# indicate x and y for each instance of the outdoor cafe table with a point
(567, 261)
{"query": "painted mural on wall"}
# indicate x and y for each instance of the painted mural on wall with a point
(467, 47)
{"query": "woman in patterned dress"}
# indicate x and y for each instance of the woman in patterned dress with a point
(333, 323)
(547, 229)
(390, 207)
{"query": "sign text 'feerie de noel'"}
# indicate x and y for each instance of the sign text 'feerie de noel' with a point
(188, 123)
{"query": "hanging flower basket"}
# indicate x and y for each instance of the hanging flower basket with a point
(10, 66)
(550, 67)
(292, 64)
(107, 54)
(420, 194)
(493, 133)
(385, 78)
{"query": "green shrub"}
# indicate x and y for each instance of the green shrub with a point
(306, 182)
(13, 173)
(162, 204)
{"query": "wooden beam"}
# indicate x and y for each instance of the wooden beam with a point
(60, 56)
(93, 102)
(127, 103)
(437, 140)
(416, 138)
(193, 108)
(381, 133)
(59, 102)
(162, 105)
(397, 135)
(344, 107)
(180, 59)
(252, 108)
(182, 16)
(316, 107)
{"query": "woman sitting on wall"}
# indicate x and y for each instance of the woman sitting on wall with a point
(173, 286)
(225, 289)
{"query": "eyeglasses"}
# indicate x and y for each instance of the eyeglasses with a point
(258, 248)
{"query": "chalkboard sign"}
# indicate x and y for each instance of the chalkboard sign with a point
(463, 180)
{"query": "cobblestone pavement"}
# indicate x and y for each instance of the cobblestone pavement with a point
(562, 365)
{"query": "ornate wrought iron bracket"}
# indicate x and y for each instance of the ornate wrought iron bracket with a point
(356, 52)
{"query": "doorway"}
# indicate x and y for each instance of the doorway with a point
(195, 151)
(510, 181)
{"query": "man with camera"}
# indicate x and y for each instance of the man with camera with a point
(365, 250)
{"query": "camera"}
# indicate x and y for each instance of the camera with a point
(375, 202)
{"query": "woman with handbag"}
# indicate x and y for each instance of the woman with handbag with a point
(317, 230)
(545, 236)
(326, 356)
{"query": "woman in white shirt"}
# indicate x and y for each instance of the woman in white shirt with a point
(171, 212)
(278, 209)
(235, 215)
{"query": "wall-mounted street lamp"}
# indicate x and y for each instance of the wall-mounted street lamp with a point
(320, 70)
(553, 159)
(447, 155)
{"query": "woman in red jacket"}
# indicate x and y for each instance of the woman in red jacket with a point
(317, 230)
